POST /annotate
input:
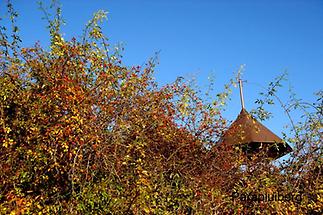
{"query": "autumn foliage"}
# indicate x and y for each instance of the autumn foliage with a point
(81, 133)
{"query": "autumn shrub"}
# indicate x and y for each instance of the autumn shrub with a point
(81, 133)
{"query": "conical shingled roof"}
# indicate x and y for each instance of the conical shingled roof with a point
(252, 136)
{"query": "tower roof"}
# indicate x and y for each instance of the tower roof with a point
(251, 135)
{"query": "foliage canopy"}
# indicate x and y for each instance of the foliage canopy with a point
(82, 133)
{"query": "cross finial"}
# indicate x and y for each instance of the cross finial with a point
(241, 91)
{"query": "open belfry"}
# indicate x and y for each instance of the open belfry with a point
(252, 137)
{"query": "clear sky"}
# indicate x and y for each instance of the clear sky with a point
(200, 37)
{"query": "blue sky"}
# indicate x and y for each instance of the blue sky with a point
(203, 37)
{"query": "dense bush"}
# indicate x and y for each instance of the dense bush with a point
(80, 133)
